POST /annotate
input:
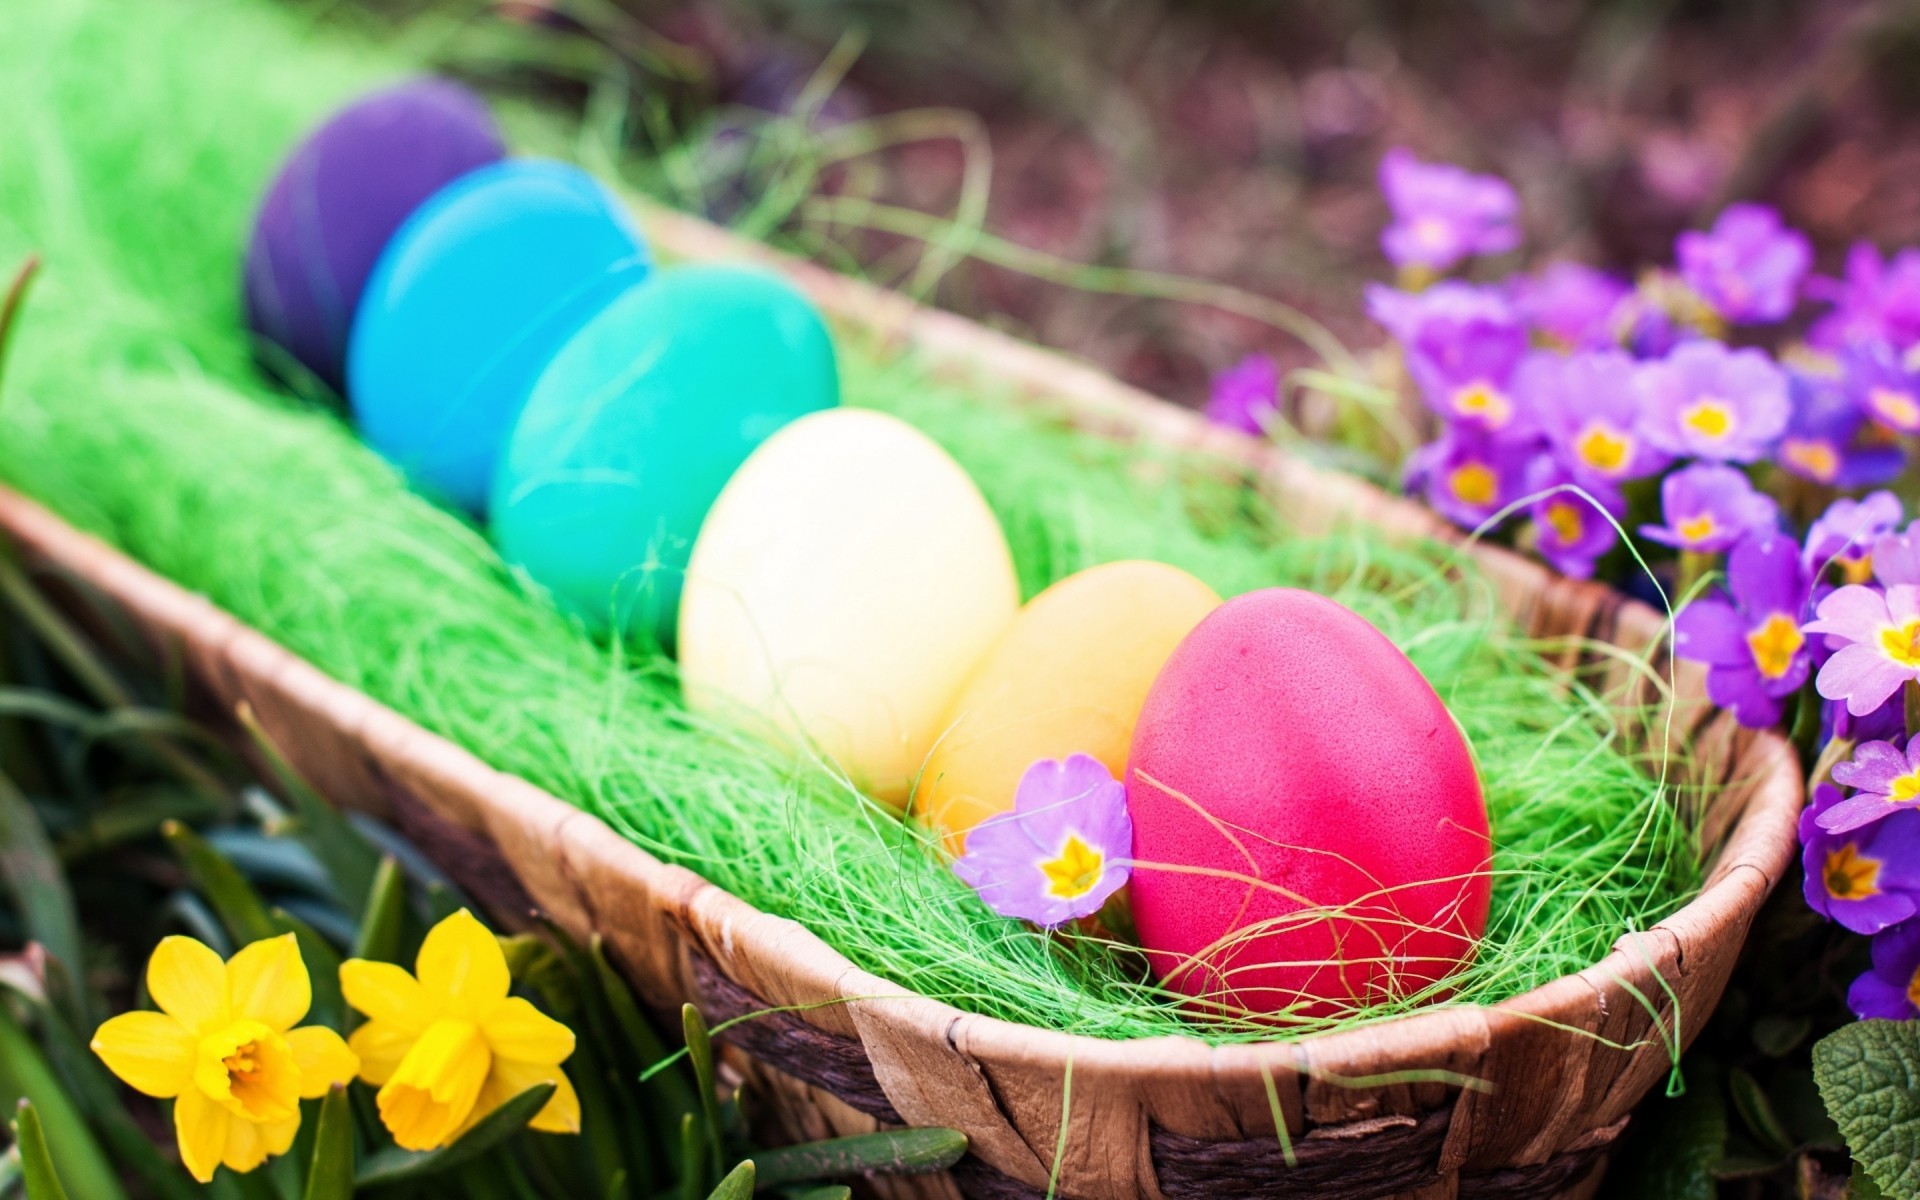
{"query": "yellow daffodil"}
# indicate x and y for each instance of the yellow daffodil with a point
(224, 1049)
(447, 1045)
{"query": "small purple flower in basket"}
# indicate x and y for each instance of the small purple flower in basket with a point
(1878, 639)
(1443, 214)
(1463, 344)
(1884, 387)
(1572, 305)
(1877, 301)
(1748, 266)
(1866, 879)
(1828, 439)
(1246, 395)
(1061, 852)
(1846, 534)
(1593, 412)
(1571, 530)
(1885, 780)
(1891, 990)
(1708, 507)
(1756, 656)
(1707, 401)
(1469, 475)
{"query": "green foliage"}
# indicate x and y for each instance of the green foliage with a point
(396, 1166)
(28, 1081)
(330, 1172)
(36, 1158)
(1869, 1075)
(895, 1152)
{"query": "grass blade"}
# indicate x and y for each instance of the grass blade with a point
(394, 1165)
(738, 1185)
(26, 1078)
(700, 1054)
(892, 1152)
(30, 869)
(240, 907)
(36, 1161)
(383, 913)
(348, 857)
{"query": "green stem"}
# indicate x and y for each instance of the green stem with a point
(1806, 724)
(1911, 693)
(1695, 565)
(10, 307)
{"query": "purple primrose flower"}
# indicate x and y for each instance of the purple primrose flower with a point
(1571, 529)
(1707, 401)
(1748, 266)
(1062, 850)
(1708, 508)
(1891, 990)
(1469, 475)
(1884, 387)
(1896, 557)
(1878, 644)
(1245, 395)
(1593, 413)
(1463, 344)
(1829, 440)
(1877, 301)
(1443, 214)
(1866, 879)
(1846, 534)
(1885, 780)
(1572, 305)
(1756, 656)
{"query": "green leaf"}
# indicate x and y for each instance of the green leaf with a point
(1675, 1145)
(394, 1165)
(831, 1191)
(692, 1162)
(1869, 1075)
(1756, 1111)
(738, 1184)
(36, 1161)
(384, 914)
(892, 1152)
(349, 858)
(330, 1171)
(240, 907)
(26, 1078)
(700, 1054)
(30, 870)
(323, 968)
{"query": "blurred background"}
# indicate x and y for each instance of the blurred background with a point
(1224, 139)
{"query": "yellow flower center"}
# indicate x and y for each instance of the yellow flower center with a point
(1697, 529)
(1818, 459)
(250, 1070)
(1904, 788)
(1603, 448)
(1565, 521)
(1473, 483)
(1897, 408)
(1913, 989)
(1709, 417)
(430, 1094)
(1075, 871)
(1482, 399)
(1849, 876)
(1774, 644)
(1857, 570)
(1902, 644)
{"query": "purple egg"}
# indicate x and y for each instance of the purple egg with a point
(337, 201)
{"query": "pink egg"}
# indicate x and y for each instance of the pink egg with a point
(1308, 825)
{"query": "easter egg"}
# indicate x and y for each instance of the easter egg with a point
(846, 580)
(469, 303)
(1068, 677)
(637, 424)
(1308, 826)
(338, 200)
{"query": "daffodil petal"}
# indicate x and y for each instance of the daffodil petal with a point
(189, 983)
(386, 993)
(380, 1046)
(150, 1051)
(430, 1096)
(249, 1145)
(201, 1125)
(462, 967)
(267, 982)
(323, 1058)
(560, 1114)
(517, 1030)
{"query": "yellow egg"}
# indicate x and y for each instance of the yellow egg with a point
(842, 586)
(1068, 676)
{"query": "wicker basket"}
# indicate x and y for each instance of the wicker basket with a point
(1562, 1065)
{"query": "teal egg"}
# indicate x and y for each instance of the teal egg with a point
(636, 425)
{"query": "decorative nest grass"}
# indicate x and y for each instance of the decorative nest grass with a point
(143, 133)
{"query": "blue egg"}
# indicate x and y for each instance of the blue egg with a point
(637, 425)
(469, 303)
